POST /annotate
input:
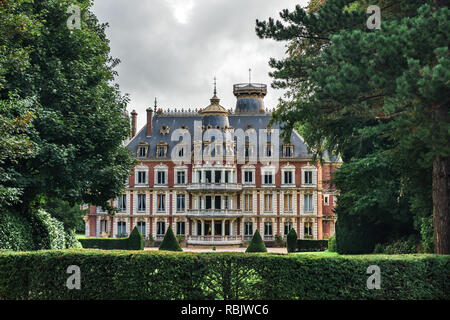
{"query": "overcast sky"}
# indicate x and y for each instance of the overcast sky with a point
(172, 49)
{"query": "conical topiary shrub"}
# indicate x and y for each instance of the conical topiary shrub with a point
(169, 242)
(291, 240)
(257, 244)
(135, 240)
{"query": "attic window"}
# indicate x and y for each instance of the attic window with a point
(161, 150)
(288, 150)
(142, 150)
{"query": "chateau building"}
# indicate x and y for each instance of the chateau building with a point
(232, 189)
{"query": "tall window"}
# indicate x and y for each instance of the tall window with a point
(160, 228)
(288, 177)
(142, 177)
(287, 202)
(308, 203)
(104, 226)
(287, 227)
(308, 177)
(161, 205)
(123, 202)
(248, 177)
(288, 151)
(267, 228)
(227, 176)
(141, 227)
(141, 202)
(326, 200)
(181, 177)
(161, 151)
(267, 202)
(268, 150)
(181, 228)
(217, 176)
(142, 152)
(208, 176)
(268, 177)
(208, 202)
(121, 227)
(248, 202)
(248, 228)
(161, 177)
(181, 202)
(308, 229)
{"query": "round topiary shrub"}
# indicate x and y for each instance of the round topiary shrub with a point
(257, 244)
(332, 244)
(291, 240)
(169, 242)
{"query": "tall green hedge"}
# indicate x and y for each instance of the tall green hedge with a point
(37, 231)
(133, 242)
(15, 232)
(311, 245)
(179, 275)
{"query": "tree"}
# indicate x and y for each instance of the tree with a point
(291, 240)
(257, 243)
(70, 215)
(373, 95)
(135, 240)
(79, 121)
(169, 242)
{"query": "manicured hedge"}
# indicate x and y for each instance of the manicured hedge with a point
(311, 245)
(133, 242)
(170, 243)
(37, 231)
(170, 275)
(257, 244)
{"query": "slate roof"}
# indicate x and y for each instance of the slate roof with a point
(257, 121)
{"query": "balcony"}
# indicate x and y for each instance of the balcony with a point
(214, 213)
(214, 187)
(214, 240)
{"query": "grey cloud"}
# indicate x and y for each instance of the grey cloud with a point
(176, 62)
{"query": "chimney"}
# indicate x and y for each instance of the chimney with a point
(133, 123)
(149, 121)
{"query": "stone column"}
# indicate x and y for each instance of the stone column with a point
(203, 227)
(212, 227)
(223, 227)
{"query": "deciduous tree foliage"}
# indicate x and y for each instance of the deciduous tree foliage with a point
(378, 98)
(73, 116)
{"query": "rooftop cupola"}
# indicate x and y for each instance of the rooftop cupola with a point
(250, 96)
(215, 115)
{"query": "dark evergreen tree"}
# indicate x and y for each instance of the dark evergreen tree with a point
(170, 242)
(257, 244)
(291, 240)
(135, 240)
(379, 99)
